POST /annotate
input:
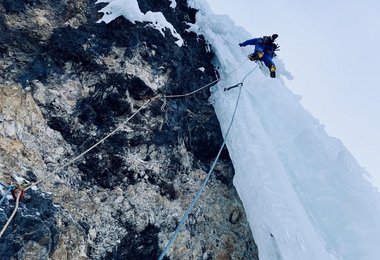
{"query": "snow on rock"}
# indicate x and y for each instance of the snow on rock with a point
(173, 4)
(20, 180)
(131, 11)
(306, 197)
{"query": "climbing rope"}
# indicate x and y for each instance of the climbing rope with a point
(120, 126)
(12, 215)
(164, 97)
(124, 123)
(205, 86)
(70, 162)
(203, 186)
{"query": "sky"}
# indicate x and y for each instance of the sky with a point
(332, 49)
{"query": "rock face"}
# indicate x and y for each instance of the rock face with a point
(67, 82)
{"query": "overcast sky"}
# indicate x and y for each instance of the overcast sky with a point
(332, 48)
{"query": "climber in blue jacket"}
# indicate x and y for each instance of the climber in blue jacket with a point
(264, 51)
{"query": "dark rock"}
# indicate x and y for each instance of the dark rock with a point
(167, 189)
(3, 49)
(235, 216)
(139, 90)
(67, 44)
(205, 140)
(39, 69)
(35, 221)
(143, 245)
(61, 125)
(87, 113)
(18, 6)
(31, 176)
(164, 137)
(107, 171)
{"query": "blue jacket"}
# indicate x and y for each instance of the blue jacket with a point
(258, 42)
(260, 45)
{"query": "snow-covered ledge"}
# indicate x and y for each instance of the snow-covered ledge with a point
(131, 11)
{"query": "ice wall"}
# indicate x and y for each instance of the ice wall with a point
(305, 195)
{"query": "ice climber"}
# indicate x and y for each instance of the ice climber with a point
(265, 48)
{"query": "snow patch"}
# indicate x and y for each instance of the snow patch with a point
(20, 180)
(173, 4)
(131, 11)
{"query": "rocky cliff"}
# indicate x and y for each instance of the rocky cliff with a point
(66, 82)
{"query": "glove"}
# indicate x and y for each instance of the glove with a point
(240, 44)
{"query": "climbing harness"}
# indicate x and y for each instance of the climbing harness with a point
(203, 186)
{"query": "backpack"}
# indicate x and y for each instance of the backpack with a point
(270, 45)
